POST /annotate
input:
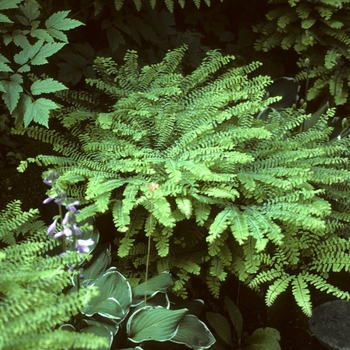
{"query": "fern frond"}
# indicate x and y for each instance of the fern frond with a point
(302, 294)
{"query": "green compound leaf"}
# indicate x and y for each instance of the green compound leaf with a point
(31, 10)
(4, 19)
(59, 21)
(39, 111)
(12, 88)
(46, 50)
(9, 4)
(46, 86)
(3, 64)
(28, 53)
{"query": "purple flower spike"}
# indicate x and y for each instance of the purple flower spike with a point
(77, 230)
(52, 228)
(59, 234)
(47, 200)
(66, 232)
(65, 219)
(82, 245)
(72, 208)
(50, 176)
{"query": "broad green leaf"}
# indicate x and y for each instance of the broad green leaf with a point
(59, 21)
(12, 88)
(97, 266)
(235, 316)
(194, 333)
(46, 50)
(264, 339)
(108, 323)
(46, 86)
(156, 284)
(220, 325)
(153, 323)
(114, 297)
(9, 4)
(39, 111)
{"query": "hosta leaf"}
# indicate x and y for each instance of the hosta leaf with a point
(156, 284)
(153, 323)
(221, 326)
(114, 298)
(194, 333)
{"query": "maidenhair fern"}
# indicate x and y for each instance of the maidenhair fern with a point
(319, 33)
(232, 194)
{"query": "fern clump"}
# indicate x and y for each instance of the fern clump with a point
(184, 160)
(319, 34)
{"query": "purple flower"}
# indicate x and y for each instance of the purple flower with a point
(82, 245)
(77, 230)
(59, 201)
(65, 219)
(66, 232)
(50, 177)
(72, 208)
(52, 228)
(47, 200)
